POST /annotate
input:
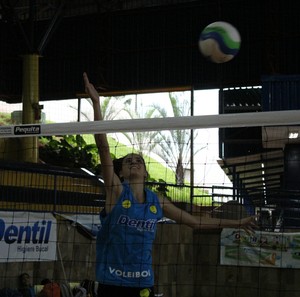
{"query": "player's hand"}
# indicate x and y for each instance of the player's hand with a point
(249, 224)
(90, 89)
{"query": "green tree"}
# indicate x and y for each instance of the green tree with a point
(124, 107)
(5, 119)
(174, 146)
(72, 150)
(112, 108)
(69, 151)
(141, 141)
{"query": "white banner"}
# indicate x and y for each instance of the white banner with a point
(264, 249)
(27, 236)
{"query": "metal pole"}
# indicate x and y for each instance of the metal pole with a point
(192, 152)
(31, 109)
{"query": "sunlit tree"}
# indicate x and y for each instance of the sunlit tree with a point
(112, 108)
(125, 107)
(174, 146)
(142, 141)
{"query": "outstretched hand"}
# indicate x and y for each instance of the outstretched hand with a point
(90, 89)
(249, 224)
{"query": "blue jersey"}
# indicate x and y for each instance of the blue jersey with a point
(124, 243)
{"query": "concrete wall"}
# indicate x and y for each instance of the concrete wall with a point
(212, 279)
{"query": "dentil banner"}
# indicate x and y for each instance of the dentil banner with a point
(27, 236)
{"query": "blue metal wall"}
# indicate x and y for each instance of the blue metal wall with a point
(280, 92)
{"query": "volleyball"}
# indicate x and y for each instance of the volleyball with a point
(219, 42)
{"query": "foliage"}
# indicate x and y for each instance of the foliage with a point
(81, 151)
(5, 119)
(70, 151)
(50, 153)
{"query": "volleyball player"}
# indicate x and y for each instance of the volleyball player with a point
(129, 221)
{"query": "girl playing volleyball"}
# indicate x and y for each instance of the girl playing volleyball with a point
(129, 221)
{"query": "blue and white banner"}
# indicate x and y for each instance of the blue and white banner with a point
(264, 249)
(27, 236)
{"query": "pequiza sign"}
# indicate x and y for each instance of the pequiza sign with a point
(27, 236)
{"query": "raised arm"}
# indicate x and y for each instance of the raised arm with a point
(204, 222)
(112, 183)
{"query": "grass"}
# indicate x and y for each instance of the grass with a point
(156, 170)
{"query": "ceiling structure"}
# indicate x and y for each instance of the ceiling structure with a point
(139, 45)
(149, 45)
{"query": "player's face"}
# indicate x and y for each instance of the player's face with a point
(133, 165)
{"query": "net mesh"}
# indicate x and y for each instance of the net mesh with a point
(190, 160)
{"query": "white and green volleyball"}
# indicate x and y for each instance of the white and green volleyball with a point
(219, 42)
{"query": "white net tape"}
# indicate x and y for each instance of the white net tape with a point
(256, 119)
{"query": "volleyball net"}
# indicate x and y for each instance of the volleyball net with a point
(261, 119)
(226, 166)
